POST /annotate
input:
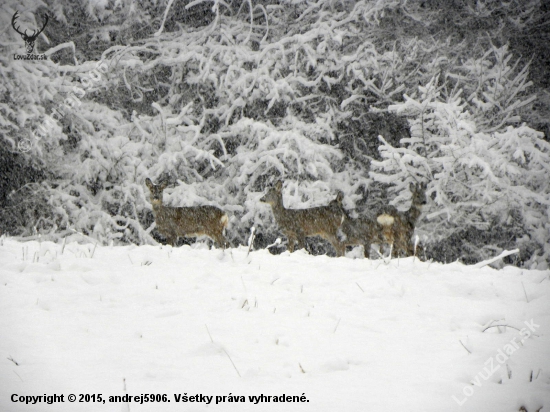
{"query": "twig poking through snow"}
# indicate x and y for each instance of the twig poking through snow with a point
(465, 347)
(232, 363)
(497, 326)
(524, 291)
(502, 255)
(276, 243)
(359, 286)
(251, 239)
(383, 258)
(429, 263)
(18, 376)
(207, 330)
(126, 406)
(337, 323)
(87, 237)
(11, 359)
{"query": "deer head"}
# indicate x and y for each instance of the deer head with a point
(418, 192)
(273, 195)
(29, 40)
(156, 191)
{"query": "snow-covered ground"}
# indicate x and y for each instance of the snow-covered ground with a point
(346, 334)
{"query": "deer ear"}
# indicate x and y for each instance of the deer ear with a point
(163, 185)
(149, 184)
(279, 186)
(340, 196)
(412, 187)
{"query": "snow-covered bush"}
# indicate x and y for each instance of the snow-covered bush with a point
(490, 185)
(253, 111)
(223, 105)
(496, 87)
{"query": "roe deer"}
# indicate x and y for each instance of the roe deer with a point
(398, 227)
(361, 231)
(174, 222)
(297, 224)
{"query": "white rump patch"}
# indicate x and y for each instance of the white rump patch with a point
(224, 219)
(385, 220)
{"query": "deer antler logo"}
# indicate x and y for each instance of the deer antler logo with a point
(29, 40)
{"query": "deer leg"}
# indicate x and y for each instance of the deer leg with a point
(420, 251)
(291, 241)
(301, 243)
(226, 242)
(402, 244)
(399, 249)
(301, 240)
(410, 249)
(338, 246)
(220, 240)
(171, 239)
(366, 249)
(342, 251)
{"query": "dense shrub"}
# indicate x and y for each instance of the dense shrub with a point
(223, 99)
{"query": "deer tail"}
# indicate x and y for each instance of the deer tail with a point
(224, 220)
(385, 219)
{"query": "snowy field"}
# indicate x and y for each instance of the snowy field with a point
(334, 334)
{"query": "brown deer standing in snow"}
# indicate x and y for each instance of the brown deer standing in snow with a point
(174, 222)
(297, 224)
(360, 231)
(397, 227)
